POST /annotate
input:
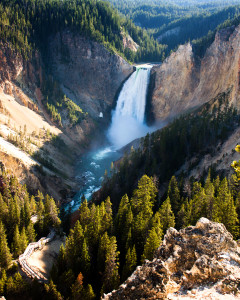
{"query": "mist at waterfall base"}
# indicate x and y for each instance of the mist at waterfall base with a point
(127, 125)
(125, 129)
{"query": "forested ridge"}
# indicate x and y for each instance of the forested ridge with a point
(174, 23)
(27, 24)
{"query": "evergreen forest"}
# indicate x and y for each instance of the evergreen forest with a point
(148, 190)
(28, 25)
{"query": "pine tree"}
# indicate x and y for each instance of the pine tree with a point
(19, 284)
(185, 214)
(230, 217)
(25, 212)
(224, 209)
(237, 202)
(102, 249)
(5, 255)
(123, 222)
(10, 286)
(153, 241)
(122, 212)
(3, 210)
(167, 217)
(207, 211)
(236, 165)
(16, 245)
(3, 281)
(84, 213)
(51, 212)
(31, 234)
(130, 263)
(88, 293)
(106, 223)
(144, 197)
(74, 244)
(52, 292)
(61, 259)
(111, 277)
(77, 288)
(129, 239)
(33, 206)
(174, 194)
(142, 202)
(40, 213)
(94, 227)
(23, 240)
(85, 262)
(197, 205)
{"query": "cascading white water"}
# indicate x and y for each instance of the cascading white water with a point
(128, 117)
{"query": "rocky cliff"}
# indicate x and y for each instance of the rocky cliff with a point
(198, 262)
(83, 70)
(184, 81)
(89, 74)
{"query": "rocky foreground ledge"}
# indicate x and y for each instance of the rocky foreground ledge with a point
(198, 262)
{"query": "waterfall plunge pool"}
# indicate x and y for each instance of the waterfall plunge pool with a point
(127, 124)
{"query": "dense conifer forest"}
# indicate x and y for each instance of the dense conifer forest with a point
(174, 23)
(17, 230)
(29, 24)
(104, 247)
(140, 199)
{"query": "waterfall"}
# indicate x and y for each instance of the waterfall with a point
(128, 117)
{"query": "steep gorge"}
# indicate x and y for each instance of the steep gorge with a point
(89, 75)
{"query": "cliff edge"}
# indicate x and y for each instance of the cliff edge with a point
(198, 262)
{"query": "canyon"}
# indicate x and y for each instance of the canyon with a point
(92, 77)
(110, 139)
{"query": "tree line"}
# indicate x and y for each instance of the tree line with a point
(17, 229)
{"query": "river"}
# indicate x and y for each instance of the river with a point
(128, 123)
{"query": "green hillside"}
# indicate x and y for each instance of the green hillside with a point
(28, 25)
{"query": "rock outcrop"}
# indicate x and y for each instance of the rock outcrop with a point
(198, 262)
(89, 74)
(184, 82)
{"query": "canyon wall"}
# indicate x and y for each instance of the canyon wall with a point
(184, 82)
(89, 74)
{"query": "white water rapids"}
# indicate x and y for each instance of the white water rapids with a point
(127, 124)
